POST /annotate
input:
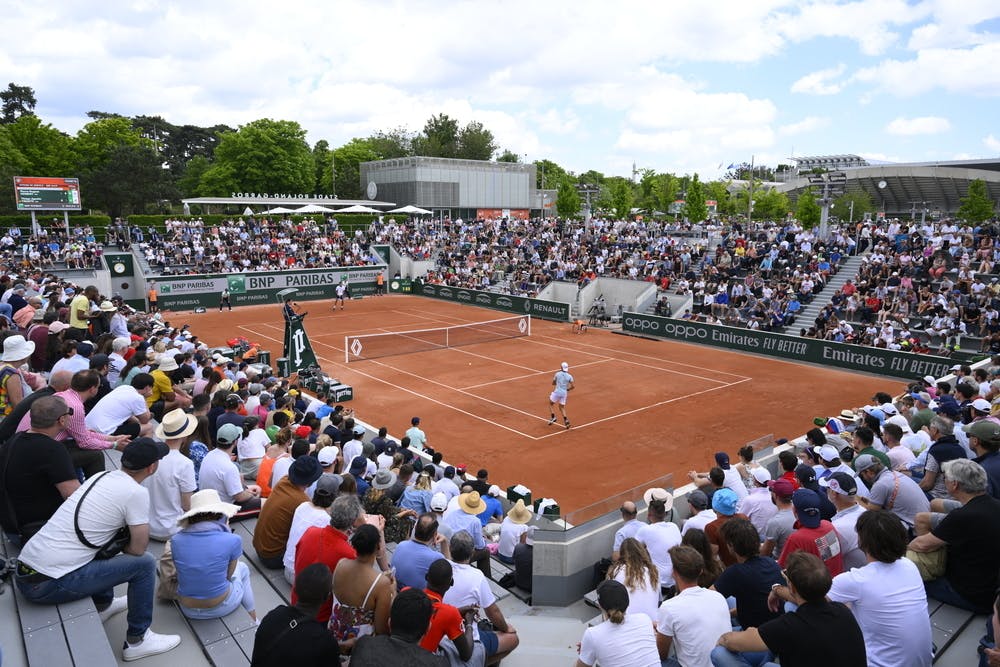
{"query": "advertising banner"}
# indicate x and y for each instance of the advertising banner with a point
(247, 289)
(906, 365)
(516, 305)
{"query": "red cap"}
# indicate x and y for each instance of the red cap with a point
(303, 432)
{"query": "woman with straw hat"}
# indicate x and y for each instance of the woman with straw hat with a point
(14, 383)
(212, 581)
(623, 639)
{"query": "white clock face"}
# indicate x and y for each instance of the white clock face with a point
(882, 184)
(394, 285)
(372, 190)
(119, 267)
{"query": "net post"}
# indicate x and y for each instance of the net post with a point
(529, 324)
(347, 351)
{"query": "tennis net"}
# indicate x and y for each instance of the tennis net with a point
(374, 346)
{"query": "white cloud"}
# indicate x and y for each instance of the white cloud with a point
(971, 71)
(908, 127)
(808, 124)
(992, 143)
(821, 82)
(869, 23)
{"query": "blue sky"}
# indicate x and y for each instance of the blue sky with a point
(673, 86)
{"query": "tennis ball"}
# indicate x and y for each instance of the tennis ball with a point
(470, 363)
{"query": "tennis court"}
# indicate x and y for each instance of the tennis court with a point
(641, 409)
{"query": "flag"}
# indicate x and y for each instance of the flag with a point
(298, 351)
(732, 166)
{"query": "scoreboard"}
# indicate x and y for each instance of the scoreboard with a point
(41, 193)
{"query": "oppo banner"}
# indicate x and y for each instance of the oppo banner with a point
(905, 365)
(517, 305)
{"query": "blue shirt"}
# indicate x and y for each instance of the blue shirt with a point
(415, 499)
(562, 380)
(202, 553)
(412, 560)
(493, 508)
(459, 520)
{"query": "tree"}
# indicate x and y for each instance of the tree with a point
(439, 137)
(509, 156)
(17, 101)
(976, 205)
(807, 211)
(129, 179)
(862, 201)
(620, 197)
(694, 202)
(190, 180)
(475, 142)
(769, 204)
(99, 138)
(719, 192)
(392, 144)
(347, 162)
(264, 156)
(549, 175)
(664, 191)
(323, 166)
(567, 200)
(46, 150)
(12, 163)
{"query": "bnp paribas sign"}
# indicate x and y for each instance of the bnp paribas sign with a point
(188, 292)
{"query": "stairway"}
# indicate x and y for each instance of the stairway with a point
(140, 262)
(848, 271)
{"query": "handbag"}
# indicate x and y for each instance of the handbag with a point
(118, 541)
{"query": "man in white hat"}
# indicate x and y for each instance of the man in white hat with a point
(757, 505)
(562, 382)
(659, 535)
(170, 490)
(514, 530)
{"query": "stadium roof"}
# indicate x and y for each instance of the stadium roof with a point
(936, 186)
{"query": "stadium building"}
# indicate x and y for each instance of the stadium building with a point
(458, 188)
(909, 189)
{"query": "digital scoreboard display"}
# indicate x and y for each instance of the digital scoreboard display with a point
(41, 193)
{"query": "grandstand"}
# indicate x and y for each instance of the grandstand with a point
(570, 548)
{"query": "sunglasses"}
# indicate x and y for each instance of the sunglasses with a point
(68, 413)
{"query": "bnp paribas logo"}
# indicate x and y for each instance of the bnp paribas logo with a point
(164, 288)
(236, 284)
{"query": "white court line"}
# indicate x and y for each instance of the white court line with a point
(531, 375)
(505, 406)
(606, 349)
(646, 407)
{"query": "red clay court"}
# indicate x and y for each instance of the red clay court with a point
(641, 409)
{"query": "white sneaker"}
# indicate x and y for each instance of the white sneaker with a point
(151, 644)
(118, 605)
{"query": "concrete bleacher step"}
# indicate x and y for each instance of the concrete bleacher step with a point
(947, 622)
(66, 634)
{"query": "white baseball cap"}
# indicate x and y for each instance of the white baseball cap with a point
(565, 366)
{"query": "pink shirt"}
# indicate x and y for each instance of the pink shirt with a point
(76, 427)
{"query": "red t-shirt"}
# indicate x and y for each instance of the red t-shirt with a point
(713, 531)
(321, 545)
(822, 541)
(445, 622)
(790, 476)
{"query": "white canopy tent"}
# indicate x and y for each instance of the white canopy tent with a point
(412, 210)
(314, 208)
(280, 209)
(358, 208)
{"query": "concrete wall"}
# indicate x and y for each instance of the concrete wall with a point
(563, 567)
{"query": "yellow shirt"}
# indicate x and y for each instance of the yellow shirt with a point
(79, 302)
(161, 385)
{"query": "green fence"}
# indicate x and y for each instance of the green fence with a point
(248, 289)
(907, 365)
(518, 305)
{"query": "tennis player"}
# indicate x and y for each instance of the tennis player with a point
(563, 383)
